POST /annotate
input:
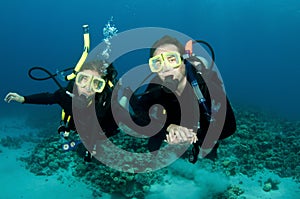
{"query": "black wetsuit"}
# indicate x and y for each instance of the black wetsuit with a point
(186, 116)
(101, 106)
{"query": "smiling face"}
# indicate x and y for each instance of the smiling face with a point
(86, 88)
(177, 73)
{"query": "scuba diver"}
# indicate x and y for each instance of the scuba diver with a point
(91, 89)
(174, 71)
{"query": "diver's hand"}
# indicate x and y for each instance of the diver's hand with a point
(180, 135)
(14, 97)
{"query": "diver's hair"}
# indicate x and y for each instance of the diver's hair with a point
(167, 40)
(109, 72)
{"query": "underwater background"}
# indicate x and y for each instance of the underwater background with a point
(257, 47)
(256, 42)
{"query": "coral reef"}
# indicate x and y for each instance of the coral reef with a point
(271, 184)
(11, 142)
(261, 142)
(15, 142)
(48, 158)
(103, 178)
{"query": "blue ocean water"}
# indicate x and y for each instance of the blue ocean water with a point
(256, 42)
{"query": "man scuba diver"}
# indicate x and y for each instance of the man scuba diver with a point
(177, 83)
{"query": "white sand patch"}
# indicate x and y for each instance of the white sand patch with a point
(17, 182)
(287, 188)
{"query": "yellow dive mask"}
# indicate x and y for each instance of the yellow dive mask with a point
(97, 84)
(171, 59)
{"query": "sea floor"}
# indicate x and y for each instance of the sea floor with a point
(207, 179)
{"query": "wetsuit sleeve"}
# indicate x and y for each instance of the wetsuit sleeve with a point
(41, 98)
(144, 113)
(141, 106)
(138, 112)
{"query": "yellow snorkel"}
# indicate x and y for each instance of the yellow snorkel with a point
(86, 49)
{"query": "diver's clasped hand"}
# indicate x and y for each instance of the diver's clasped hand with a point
(14, 97)
(180, 135)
